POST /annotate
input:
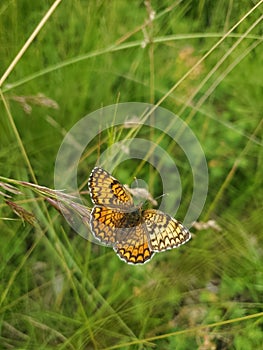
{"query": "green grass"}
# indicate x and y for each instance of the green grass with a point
(60, 291)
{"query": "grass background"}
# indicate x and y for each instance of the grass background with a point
(59, 291)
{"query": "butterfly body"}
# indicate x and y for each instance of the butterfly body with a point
(135, 234)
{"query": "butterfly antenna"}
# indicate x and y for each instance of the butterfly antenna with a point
(162, 195)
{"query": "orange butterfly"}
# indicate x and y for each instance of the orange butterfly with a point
(135, 234)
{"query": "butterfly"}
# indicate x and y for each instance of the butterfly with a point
(134, 234)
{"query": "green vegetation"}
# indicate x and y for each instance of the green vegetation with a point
(201, 60)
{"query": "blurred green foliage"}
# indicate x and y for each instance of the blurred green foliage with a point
(59, 291)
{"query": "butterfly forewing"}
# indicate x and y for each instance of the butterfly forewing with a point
(164, 231)
(107, 191)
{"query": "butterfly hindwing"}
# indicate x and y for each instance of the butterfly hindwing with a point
(104, 222)
(135, 248)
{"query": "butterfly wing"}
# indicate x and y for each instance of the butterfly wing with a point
(105, 222)
(164, 232)
(128, 237)
(134, 249)
(105, 190)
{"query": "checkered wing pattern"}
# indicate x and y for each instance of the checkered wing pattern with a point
(135, 249)
(104, 224)
(107, 191)
(135, 234)
(164, 232)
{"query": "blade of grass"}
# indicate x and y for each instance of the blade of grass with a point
(232, 172)
(18, 138)
(186, 331)
(29, 41)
